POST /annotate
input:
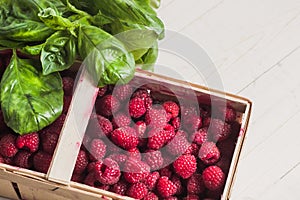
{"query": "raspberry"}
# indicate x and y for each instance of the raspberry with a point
(185, 166)
(191, 197)
(145, 95)
(78, 178)
(122, 92)
(91, 180)
(134, 153)
(67, 102)
(119, 188)
(213, 177)
(137, 190)
(169, 132)
(165, 187)
(176, 123)
(200, 136)
(193, 149)
(30, 141)
(56, 126)
(121, 119)
(109, 173)
(107, 105)
(140, 128)
(151, 180)
(156, 139)
(49, 141)
(136, 107)
(68, 84)
(81, 162)
(166, 171)
(135, 170)
(227, 113)
(125, 137)
(22, 159)
(153, 159)
(156, 117)
(219, 130)
(119, 158)
(94, 166)
(176, 180)
(102, 91)
(99, 126)
(178, 145)
(41, 161)
(97, 149)
(195, 184)
(206, 122)
(171, 107)
(7, 145)
(151, 196)
(209, 153)
(188, 110)
(192, 123)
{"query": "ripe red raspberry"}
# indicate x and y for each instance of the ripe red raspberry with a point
(154, 159)
(151, 180)
(81, 162)
(91, 180)
(122, 92)
(193, 149)
(151, 196)
(68, 85)
(192, 123)
(119, 158)
(99, 126)
(134, 154)
(94, 166)
(67, 102)
(209, 153)
(191, 197)
(178, 145)
(49, 141)
(135, 170)
(41, 161)
(156, 117)
(7, 145)
(227, 113)
(166, 171)
(102, 91)
(23, 159)
(29, 141)
(107, 105)
(180, 189)
(171, 107)
(188, 110)
(200, 136)
(125, 137)
(140, 128)
(145, 95)
(195, 184)
(97, 149)
(219, 130)
(165, 187)
(169, 132)
(137, 190)
(78, 177)
(136, 107)
(213, 177)
(206, 122)
(156, 139)
(119, 188)
(185, 166)
(176, 123)
(109, 172)
(120, 119)
(56, 126)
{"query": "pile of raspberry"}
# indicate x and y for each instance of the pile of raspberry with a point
(140, 144)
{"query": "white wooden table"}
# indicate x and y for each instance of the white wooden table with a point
(255, 45)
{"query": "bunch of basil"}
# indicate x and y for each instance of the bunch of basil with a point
(61, 31)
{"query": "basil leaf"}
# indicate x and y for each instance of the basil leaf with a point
(30, 101)
(58, 53)
(33, 50)
(106, 57)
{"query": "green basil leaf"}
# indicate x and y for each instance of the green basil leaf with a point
(106, 57)
(58, 53)
(33, 50)
(30, 101)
